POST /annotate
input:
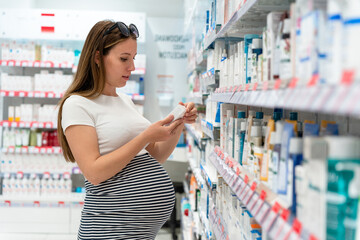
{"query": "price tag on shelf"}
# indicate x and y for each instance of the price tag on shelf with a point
(280, 227)
(11, 149)
(249, 193)
(296, 230)
(11, 63)
(43, 150)
(269, 219)
(348, 77)
(253, 200)
(36, 64)
(24, 63)
(49, 150)
(49, 125)
(5, 124)
(348, 103)
(11, 94)
(336, 98)
(21, 94)
(254, 88)
(24, 149)
(324, 94)
(240, 188)
(3, 63)
(17, 150)
(36, 150)
(262, 213)
(309, 94)
(277, 84)
(244, 192)
(14, 124)
(22, 124)
(285, 232)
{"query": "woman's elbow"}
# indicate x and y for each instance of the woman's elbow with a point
(93, 179)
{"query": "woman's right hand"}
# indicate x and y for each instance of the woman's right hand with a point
(162, 130)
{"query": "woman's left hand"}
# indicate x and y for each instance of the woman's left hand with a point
(191, 112)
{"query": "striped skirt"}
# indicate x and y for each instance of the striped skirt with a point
(133, 204)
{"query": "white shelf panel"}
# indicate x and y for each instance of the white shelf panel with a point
(35, 64)
(33, 124)
(32, 149)
(30, 94)
(50, 64)
(73, 197)
(342, 99)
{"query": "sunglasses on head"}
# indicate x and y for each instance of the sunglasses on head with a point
(124, 30)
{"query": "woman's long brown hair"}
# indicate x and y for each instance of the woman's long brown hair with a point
(89, 80)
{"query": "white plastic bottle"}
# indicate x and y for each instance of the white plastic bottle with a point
(68, 186)
(5, 186)
(44, 186)
(37, 186)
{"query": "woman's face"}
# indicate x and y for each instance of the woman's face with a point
(119, 63)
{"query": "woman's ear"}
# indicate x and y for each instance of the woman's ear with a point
(97, 58)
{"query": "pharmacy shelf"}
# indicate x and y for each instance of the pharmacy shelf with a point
(30, 94)
(48, 174)
(35, 64)
(50, 94)
(201, 183)
(33, 124)
(50, 64)
(211, 77)
(196, 98)
(32, 149)
(72, 197)
(248, 19)
(210, 183)
(186, 189)
(199, 139)
(196, 171)
(341, 99)
(256, 196)
(209, 129)
(219, 226)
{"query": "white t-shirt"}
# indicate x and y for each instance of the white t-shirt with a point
(115, 119)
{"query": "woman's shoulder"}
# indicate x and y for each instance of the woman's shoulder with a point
(77, 100)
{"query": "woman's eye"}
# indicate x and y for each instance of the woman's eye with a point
(123, 59)
(134, 59)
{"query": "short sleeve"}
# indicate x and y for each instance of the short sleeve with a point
(75, 112)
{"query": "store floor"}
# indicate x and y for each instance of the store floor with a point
(164, 234)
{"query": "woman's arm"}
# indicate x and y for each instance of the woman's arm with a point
(83, 143)
(162, 150)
